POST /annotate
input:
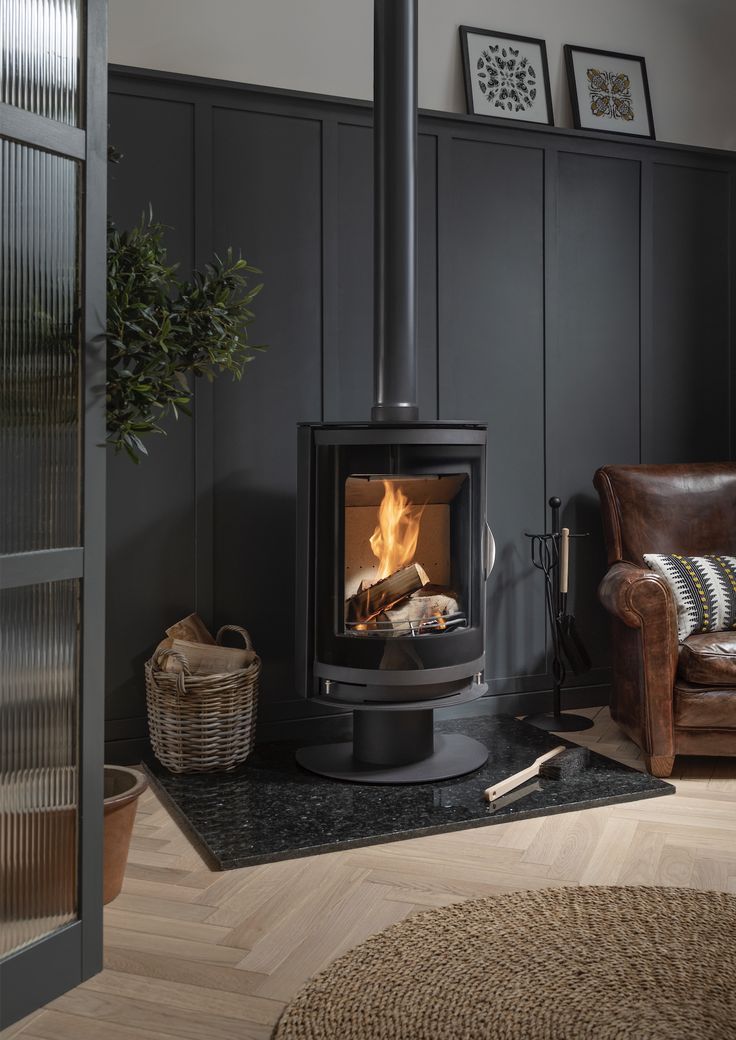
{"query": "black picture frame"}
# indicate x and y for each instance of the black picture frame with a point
(465, 31)
(570, 50)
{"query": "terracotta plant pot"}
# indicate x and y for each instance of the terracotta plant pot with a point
(123, 788)
(41, 874)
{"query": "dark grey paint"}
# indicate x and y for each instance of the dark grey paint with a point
(267, 203)
(48, 967)
(686, 414)
(156, 138)
(40, 973)
(151, 534)
(42, 132)
(491, 325)
(94, 533)
(29, 568)
(553, 297)
(349, 364)
(592, 357)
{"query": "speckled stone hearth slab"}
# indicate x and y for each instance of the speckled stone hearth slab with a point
(271, 809)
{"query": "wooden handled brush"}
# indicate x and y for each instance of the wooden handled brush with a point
(561, 763)
(564, 560)
(504, 786)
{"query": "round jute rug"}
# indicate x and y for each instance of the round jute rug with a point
(554, 964)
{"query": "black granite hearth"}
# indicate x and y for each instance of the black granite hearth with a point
(271, 809)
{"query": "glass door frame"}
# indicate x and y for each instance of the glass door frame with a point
(56, 963)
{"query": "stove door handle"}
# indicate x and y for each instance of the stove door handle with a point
(489, 551)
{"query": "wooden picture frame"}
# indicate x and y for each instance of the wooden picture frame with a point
(611, 96)
(506, 76)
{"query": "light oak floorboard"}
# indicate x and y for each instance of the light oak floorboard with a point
(195, 953)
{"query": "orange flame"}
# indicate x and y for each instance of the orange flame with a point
(394, 540)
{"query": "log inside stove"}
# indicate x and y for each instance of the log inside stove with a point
(404, 603)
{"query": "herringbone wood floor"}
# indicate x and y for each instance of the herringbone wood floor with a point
(215, 956)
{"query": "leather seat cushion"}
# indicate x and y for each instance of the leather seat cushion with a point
(701, 707)
(709, 659)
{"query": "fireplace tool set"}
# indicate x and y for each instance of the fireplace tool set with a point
(550, 554)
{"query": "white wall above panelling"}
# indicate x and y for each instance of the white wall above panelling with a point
(325, 46)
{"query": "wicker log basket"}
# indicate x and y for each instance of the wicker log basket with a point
(202, 723)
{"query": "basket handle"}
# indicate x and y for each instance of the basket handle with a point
(177, 656)
(241, 632)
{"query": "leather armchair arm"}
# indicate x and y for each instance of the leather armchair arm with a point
(646, 650)
(638, 597)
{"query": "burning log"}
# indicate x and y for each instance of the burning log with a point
(432, 601)
(386, 593)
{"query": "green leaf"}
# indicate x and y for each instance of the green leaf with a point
(131, 453)
(161, 330)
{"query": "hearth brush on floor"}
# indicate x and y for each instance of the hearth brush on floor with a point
(560, 763)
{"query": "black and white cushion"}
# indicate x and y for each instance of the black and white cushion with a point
(704, 588)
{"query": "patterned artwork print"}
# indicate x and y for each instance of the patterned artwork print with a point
(704, 588)
(610, 95)
(507, 80)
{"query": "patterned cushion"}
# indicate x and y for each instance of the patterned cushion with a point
(704, 588)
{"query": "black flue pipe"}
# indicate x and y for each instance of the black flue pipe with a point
(395, 242)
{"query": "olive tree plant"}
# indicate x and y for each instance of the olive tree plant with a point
(164, 332)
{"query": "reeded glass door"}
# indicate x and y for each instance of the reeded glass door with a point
(52, 197)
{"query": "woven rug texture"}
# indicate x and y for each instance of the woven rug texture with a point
(595, 963)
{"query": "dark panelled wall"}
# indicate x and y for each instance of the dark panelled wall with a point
(491, 367)
(151, 519)
(274, 163)
(575, 293)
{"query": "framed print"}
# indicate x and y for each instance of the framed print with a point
(506, 76)
(609, 91)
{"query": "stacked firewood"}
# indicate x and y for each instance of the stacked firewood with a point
(407, 596)
(190, 641)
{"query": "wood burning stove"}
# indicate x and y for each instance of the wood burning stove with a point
(394, 548)
(391, 601)
(392, 598)
(395, 535)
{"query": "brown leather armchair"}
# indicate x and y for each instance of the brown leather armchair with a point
(671, 699)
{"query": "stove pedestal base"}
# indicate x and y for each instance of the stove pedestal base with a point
(390, 747)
